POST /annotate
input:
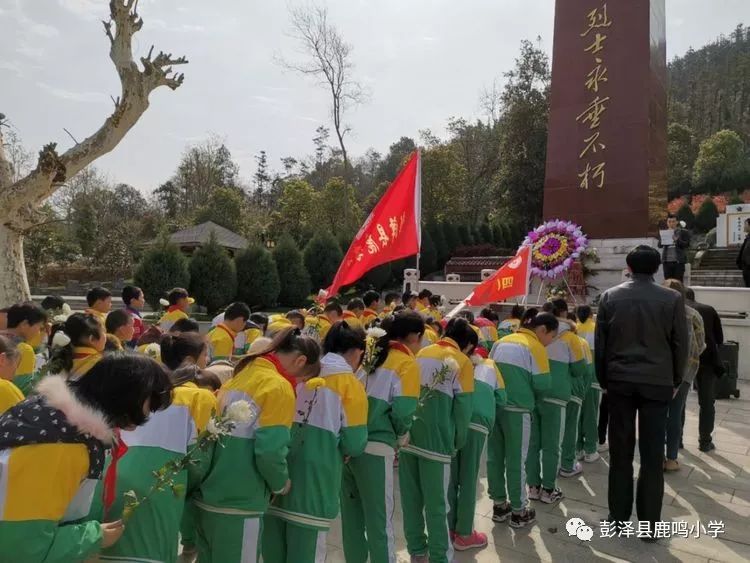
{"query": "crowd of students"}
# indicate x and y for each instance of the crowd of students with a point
(95, 403)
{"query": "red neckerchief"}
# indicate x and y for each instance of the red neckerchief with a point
(349, 315)
(274, 359)
(369, 313)
(81, 355)
(173, 308)
(393, 345)
(119, 449)
(446, 344)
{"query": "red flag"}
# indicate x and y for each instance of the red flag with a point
(391, 231)
(511, 280)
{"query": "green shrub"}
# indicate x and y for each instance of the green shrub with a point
(322, 257)
(213, 279)
(161, 268)
(685, 213)
(295, 282)
(377, 278)
(257, 279)
(428, 256)
(705, 219)
(452, 238)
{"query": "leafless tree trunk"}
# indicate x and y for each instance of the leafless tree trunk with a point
(328, 58)
(20, 200)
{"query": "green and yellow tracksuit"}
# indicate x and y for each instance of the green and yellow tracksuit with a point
(368, 316)
(352, 319)
(367, 486)
(525, 366)
(489, 396)
(26, 366)
(247, 466)
(429, 337)
(84, 358)
(221, 342)
(49, 469)
(489, 334)
(508, 327)
(317, 327)
(172, 315)
(330, 425)
(566, 357)
(588, 428)
(152, 532)
(440, 428)
(10, 395)
(276, 323)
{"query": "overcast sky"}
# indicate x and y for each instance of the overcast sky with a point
(422, 61)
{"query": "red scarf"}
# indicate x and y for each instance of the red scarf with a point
(225, 328)
(119, 449)
(173, 308)
(393, 345)
(274, 359)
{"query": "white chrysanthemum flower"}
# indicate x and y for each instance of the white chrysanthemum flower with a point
(60, 339)
(376, 333)
(451, 363)
(163, 302)
(213, 428)
(240, 412)
(153, 350)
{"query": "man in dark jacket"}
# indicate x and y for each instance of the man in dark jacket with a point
(641, 350)
(707, 371)
(743, 258)
(674, 256)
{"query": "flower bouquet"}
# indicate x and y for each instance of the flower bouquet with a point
(555, 245)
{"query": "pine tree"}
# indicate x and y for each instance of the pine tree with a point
(685, 214)
(161, 268)
(322, 257)
(213, 279)
(257, 279)
(428, 255)
(295, 282)
(705, 219)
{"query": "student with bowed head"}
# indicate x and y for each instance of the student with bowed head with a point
(77, 345)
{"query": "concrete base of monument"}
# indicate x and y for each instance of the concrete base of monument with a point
(611, 269)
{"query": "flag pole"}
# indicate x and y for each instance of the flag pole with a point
(418, 210)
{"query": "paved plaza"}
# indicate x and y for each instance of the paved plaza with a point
(709, 487)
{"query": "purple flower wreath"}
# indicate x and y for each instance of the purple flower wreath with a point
(555, 245)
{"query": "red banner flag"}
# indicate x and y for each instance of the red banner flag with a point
(511, 280)
(390, 232)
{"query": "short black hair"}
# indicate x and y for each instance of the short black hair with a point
(27, 311)
(52, 303)
(459, 330)
(341, 338)
(516, 312)
(97, 294)
(643, 259)
(424, 294)
(333, 307)
(120, 384)
(747, 220)
(295, 314)
(260, 319)
(370, 297)
(396, 327)
(468, 315)
(237, 310)
(408, 296)
(547, 320)
(130, 292)
(583, 312)
(177, 293)
(354, 304)
(116, 320)
(489, 314)
(689, 294)
(390, 297)
(559, 307)
(671, 216)
(435, 300)
(176, 348)
(185, 325)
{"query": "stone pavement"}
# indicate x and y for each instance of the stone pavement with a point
(714, 486)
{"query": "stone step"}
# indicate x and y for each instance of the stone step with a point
(717, 278)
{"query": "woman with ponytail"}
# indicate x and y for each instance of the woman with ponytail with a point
(76, 345)
(9, 357)
(250, 465)
(392, 389)
(152, 534)
(330, 426)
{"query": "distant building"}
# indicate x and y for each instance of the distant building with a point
(194, 237)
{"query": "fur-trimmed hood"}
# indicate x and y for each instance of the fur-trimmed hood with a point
(57, 416)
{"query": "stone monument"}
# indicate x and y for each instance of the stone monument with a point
(607, 144)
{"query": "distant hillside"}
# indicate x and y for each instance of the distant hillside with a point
(709, 88)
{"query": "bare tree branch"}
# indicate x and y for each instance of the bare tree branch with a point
(137, 84)
(71, 135)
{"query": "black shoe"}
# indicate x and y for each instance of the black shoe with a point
(522, 519)
(500, 512)
(707, 447)
(682, 446)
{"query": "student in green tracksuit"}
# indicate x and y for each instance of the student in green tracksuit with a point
(523, 361)
(330, 427)
(367, 488)
(566, 357)
(588, 429)
(249, 465)
(548, 424)
(440, 428)
(489, 397)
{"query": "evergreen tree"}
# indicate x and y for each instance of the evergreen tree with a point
(685, 214)
(213, 279)
(452, 238)
(705, 219)
(295, 282)
(257, 279)
(378, 278)
(486, 234)
(322, 257)
(428, 255)
(161, 268)
(498, 237)
(438, 239)
(464, 234)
